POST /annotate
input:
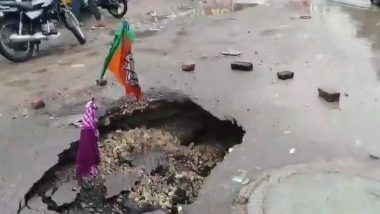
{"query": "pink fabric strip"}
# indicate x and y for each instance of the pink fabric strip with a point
(88, 120)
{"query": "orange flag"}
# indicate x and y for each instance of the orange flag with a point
(120, 60)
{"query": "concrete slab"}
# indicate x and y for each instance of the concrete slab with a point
(27, 151)
(66, 193)
(36, 206)
(120, 181)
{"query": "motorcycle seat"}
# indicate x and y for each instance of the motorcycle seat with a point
(23, 6)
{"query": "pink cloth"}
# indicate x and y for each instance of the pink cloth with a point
(88, 156)
(89, 120)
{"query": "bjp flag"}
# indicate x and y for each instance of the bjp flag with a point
(120, 60)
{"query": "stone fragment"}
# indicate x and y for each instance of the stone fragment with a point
(374, 156)
(292, 151)
(183, 128)
(305, 17)
(49, 193)
(231, 52)
(191, 145)
(129, 207)
(119, 181)
(284, 75)
(37, 103)
(329, 94)
(151, 161)
(65, 194)
(242, 66)
(101, 82)
(35, 206)
(188, 67)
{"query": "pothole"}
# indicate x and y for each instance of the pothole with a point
(153, 157)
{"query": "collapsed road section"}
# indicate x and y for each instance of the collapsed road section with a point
(154, 157)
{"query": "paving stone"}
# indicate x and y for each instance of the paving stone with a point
(188, 67)
(242, 66)
(329, 94)
(284, 75)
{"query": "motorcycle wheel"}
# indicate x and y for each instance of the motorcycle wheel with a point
(72, 24)
(16, 52)
(375, 2)
(121, 10)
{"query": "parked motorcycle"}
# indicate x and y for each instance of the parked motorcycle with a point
(23, 25)
(117, 8)
(375, 2)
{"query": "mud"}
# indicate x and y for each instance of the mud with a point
(155, 156)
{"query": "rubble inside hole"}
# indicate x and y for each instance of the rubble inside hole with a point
(162, 150)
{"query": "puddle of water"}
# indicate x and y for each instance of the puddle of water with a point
(354, 3)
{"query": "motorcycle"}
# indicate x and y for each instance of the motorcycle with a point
(23, 25)
(375, 2)
(117, 8)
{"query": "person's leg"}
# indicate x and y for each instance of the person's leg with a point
(75, 5)
(93, 7)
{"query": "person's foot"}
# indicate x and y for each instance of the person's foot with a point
(100, 24)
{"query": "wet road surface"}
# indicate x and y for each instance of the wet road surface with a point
(337, 47)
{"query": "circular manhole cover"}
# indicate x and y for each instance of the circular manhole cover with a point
(309, 191)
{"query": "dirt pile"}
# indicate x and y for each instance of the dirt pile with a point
(171, 174)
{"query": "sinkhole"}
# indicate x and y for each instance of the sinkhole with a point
(154, 157)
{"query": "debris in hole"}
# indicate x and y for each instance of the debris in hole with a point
(329, 94)
(37, 103)
(284, 75)
(191, 145)
(119, 181)
(188, 67)
(242, 66)
(145, 166)
(156, 212)
(36, 206)
(65, 194)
